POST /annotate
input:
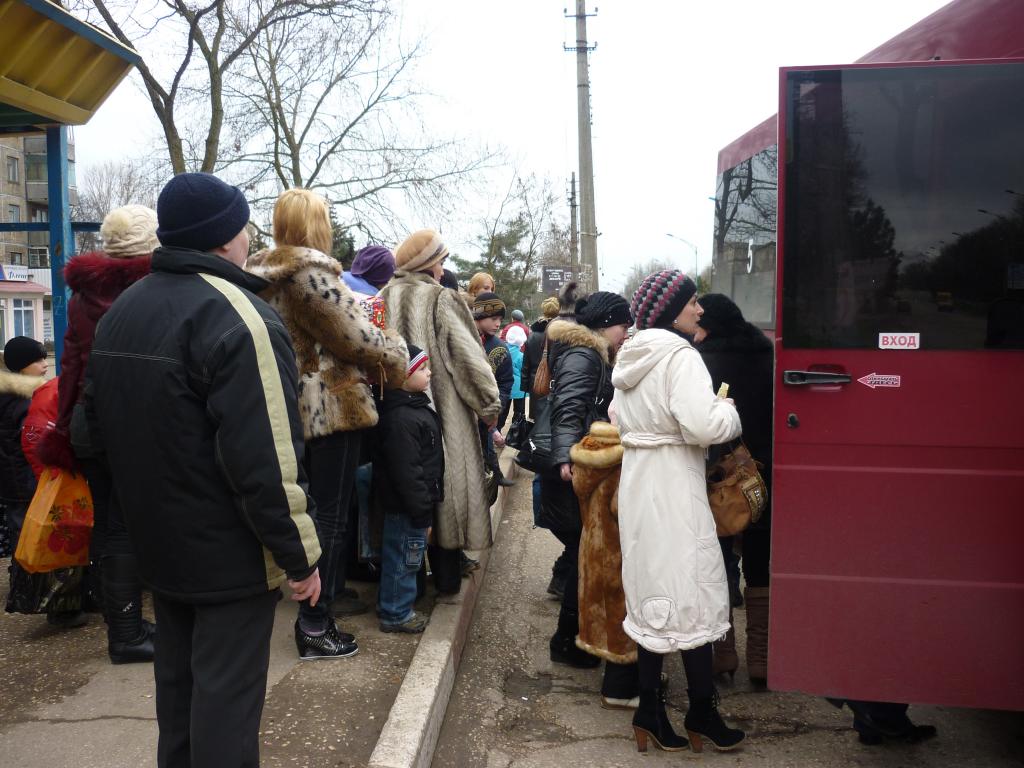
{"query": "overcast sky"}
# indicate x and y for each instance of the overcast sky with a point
(672, 82)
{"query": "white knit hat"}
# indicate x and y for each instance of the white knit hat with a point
(129, 231)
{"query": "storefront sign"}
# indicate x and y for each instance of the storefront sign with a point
(14, 272)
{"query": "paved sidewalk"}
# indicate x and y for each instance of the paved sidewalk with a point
(63, 705)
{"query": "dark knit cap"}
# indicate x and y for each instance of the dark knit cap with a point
(417, 357)
(21, 351)
(449, 280)
(660, 298)
(602, 309)
(375, 264)
(721, 315)
(199, 211)
(488, 304)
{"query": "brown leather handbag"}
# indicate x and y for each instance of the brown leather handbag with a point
(542, 379)
(736, 490)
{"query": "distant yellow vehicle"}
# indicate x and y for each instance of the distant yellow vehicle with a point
(944, 300)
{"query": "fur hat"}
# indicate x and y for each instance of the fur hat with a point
(417, 357)
(602, 309)
(567, 296)
(721, 315)
(199, 211)
(549, 307)
(129, 231)
(21, 351)
(375, 264)
(660, 298)
(420, 251)
(488, 304)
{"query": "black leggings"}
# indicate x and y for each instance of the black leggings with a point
(696, 662)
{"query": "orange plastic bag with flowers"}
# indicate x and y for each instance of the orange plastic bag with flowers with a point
(58, 524)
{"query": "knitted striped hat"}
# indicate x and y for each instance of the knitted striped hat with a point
(660, 298)
(417, 357)
(420, 251)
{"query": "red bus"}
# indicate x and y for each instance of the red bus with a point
(875, 230)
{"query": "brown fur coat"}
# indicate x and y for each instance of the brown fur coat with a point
(597, 460)
(462, 389)
(337, 348)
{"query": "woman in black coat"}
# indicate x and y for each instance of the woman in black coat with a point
(580, 356)
(738, 353)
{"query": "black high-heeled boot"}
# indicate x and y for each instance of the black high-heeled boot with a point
(704, 723)
(129, 638)
(563, 643)
(651, 722)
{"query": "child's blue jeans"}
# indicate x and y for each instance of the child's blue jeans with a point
(401, 555)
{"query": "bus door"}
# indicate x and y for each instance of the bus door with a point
(898, 498)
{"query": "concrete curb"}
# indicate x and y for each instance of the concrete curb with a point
(410, 734)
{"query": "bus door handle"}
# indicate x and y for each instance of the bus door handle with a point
(797, 378)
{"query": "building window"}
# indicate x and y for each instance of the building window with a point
(35, 167)
(13, 213)
(17, 258)
(24, 318)
(13, 172)
(38, 257)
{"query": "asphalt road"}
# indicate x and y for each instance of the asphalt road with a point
(512, 708)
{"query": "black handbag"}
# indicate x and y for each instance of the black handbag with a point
(535, 455)
(518, 432)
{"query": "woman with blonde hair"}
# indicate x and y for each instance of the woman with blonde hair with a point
(479, 283)
(337, 349)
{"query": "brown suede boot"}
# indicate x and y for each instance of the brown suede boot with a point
(757, 634)
(725, 661)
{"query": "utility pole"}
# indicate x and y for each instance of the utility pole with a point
(574, 235)
(588, 222)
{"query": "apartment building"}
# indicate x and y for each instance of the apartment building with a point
(25, 285)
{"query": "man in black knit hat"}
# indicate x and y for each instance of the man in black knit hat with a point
(191, 392)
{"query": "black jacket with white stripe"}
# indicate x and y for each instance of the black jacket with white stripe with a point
(191, 393)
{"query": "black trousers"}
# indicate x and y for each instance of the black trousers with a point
(211, 678)
(109, 530)
(331, 464)
(757, 548)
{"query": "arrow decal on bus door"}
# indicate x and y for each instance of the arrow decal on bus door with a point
(874, 380)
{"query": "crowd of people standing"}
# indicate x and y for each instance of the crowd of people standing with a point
(223, 406)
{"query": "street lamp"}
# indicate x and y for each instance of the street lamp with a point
(696, 267)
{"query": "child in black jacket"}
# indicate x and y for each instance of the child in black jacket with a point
(408, 484)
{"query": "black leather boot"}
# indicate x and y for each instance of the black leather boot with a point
(651, 722)
(563, 643)
(703, 723)
(129, 638)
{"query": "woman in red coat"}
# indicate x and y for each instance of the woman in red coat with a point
(96, 280)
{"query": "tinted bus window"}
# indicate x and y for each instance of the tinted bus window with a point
(905, 206)
(745, 224)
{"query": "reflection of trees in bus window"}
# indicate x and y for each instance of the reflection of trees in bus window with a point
(901, 209)
(746, 204)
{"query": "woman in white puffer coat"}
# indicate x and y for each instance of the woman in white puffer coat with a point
(672, 569)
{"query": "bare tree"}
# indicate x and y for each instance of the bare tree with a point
(109, 185)
(637, 274)
(333, 109)
(189, 50)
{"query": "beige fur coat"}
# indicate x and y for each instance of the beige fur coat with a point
(596, 462)
(337, 348)
(462, 389)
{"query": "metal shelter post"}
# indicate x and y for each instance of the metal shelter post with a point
(62, 242)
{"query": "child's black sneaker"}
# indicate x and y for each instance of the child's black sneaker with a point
(330, 645)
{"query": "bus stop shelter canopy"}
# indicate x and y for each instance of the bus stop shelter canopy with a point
(54, 69)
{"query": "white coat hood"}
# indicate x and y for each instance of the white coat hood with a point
(640, 354)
